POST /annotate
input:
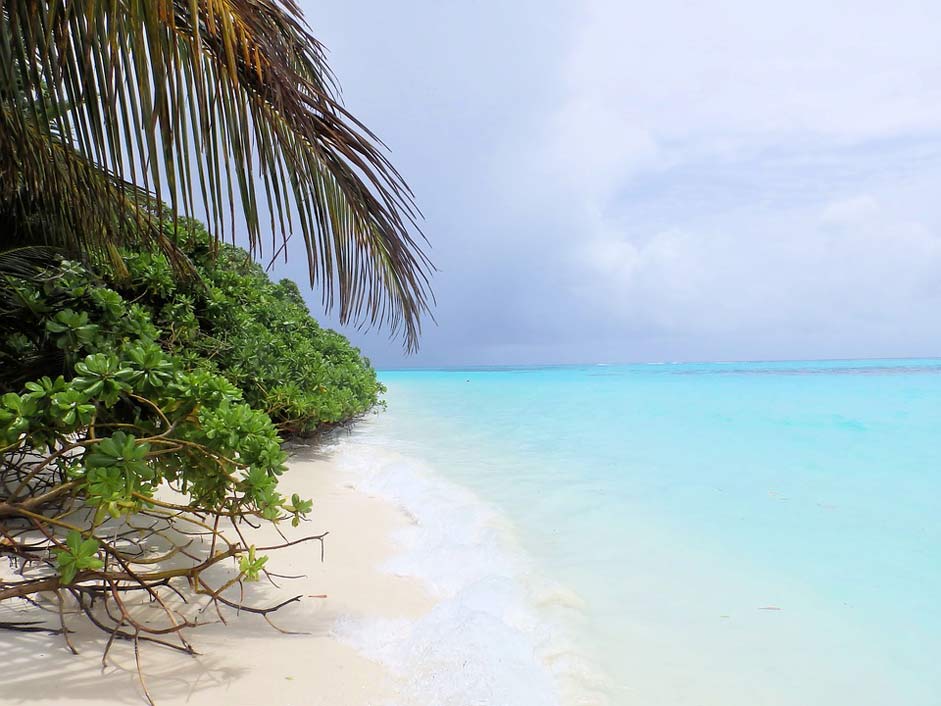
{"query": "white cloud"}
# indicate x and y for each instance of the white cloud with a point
(854, 211)
(767, 97)
(594, 148)
(850, 268)
(659, 85)
(742, 70)
(680, 179)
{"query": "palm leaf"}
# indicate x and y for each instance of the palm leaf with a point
(222, 102)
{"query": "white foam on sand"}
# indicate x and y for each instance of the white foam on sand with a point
(492, 637)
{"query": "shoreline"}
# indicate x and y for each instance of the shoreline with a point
(498, 633)
(247, 662)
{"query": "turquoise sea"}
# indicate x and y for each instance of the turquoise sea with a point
(734, 534)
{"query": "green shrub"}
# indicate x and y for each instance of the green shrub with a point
(109, 391)
(129, 395)
(87, 444)
(257, 333)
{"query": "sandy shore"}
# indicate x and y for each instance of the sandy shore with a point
(247, 663)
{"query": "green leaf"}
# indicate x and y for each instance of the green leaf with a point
(71, 330)
(147, 367)
(79, 554)
(250, 565)
(123, 452)
(99, 376)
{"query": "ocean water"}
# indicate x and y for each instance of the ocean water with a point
(728, 534)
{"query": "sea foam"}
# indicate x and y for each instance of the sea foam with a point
(494, 636)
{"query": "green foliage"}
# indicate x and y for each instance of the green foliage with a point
(113, 385)
(106, 107)
(15, 417)
(116, 331)
(258, 334)
(124, 388)
(100, 375)
(251, 565)
(77, 555)
(123, 417)
(71, 330)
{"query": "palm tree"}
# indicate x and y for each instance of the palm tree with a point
(113, 110)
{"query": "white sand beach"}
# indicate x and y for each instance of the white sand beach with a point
(247, 663)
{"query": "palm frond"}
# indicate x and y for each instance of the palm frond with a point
(28, 263)
(212, 101)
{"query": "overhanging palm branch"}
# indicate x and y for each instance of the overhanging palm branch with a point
(22, 263)
(106, 103)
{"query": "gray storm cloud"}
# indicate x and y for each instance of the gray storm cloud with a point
(617, 181)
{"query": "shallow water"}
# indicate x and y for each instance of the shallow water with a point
(736, 534)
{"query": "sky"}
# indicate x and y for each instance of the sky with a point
(610, 181)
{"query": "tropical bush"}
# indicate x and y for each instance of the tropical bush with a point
(115, 453)
(138, 398)
(259, 334)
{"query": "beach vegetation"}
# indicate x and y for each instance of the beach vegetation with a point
(148, 371)
(125, 467)
(232, 319)
(113, 113)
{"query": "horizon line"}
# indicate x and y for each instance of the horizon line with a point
(484, 366)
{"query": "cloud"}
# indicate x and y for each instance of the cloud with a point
(594, 147)
(700, 94)
(851, 273)
(750, 72)
(854, 212)
(677, 180)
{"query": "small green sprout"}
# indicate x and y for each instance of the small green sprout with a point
(79, 554)
(250, 565)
